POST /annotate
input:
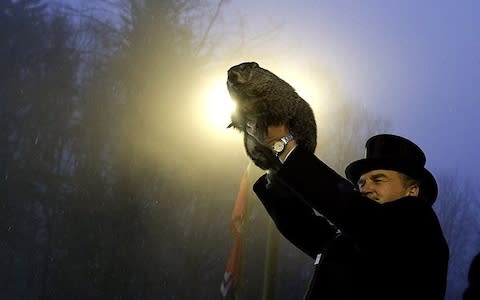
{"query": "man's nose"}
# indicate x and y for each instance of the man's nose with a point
(365, 188)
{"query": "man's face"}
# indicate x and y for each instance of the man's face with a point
(385, 186)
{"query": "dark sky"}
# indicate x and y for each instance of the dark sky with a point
(416, 63)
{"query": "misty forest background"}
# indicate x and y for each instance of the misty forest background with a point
(111, 188)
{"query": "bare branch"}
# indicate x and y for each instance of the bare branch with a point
(209, 27)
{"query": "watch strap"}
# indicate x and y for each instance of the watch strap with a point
(286, 139)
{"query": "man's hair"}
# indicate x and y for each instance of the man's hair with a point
(409, 181)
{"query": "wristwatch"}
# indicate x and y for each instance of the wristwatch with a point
(279, 146)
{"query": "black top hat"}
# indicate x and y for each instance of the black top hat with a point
(391, 152)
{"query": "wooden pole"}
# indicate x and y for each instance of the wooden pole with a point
(271, 260)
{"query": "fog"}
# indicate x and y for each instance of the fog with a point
(119, 174)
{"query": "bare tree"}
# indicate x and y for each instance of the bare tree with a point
(457, 207)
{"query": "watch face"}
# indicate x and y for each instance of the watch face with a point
(278, 146)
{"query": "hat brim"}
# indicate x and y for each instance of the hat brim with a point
(428, 187)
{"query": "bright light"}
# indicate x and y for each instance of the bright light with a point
(213, 114)
(219, 106)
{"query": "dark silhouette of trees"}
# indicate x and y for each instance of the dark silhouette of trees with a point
(37, 86)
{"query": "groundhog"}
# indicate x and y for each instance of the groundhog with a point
(264, 99)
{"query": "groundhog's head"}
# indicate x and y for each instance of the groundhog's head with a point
(248, 81)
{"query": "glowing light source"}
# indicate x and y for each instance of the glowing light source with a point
(219, 106)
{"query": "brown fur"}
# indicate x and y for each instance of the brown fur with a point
(265, 99)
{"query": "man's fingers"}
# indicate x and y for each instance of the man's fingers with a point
(272, 134)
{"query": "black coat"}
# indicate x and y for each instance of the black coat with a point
(368, 250)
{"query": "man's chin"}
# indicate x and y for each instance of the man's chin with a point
(374, 198)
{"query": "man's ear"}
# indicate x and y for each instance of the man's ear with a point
(414, 190)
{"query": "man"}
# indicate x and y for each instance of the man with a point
(377, 238)
(472, 292)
